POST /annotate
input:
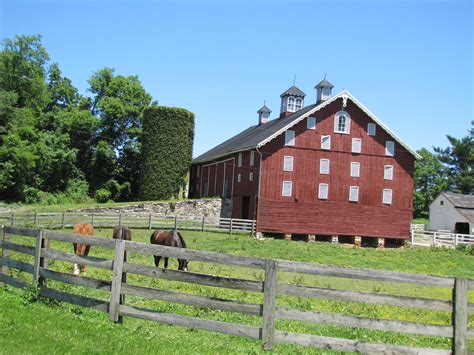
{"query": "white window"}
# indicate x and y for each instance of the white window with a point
(286, 190)
(197, 170)
(371, 129)
(387, 196)
(389, 148)
(311, 123)
(251, 176)
(355, 169)
(388, 172)
(326, 142)
(342, 122)
(238, 177)
(291, 104)
(287, 163)
(324, 166)
(354, 193)
(298, 104)
(290, 137)
(356, 145)
(239, 160)
(323, 191)
(252, 158)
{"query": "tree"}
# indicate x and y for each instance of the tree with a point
(459, 160)
(430, 180)
(166, 152)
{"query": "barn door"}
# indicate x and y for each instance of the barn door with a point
(245, 207)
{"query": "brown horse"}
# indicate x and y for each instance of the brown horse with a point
(122, 232)
(82, 249)
(170, 239)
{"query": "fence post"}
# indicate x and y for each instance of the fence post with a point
(13, 219)
(149, 221)
(63, 220)
(5, 252)
(117, 281)
(175, 222)
(456, 240)
(203, 222)
(253, 228)
(36, 219)
(230, 226)
(460, 297)
(269, 304)
(120, 218)
(92, 219)
(37, 263)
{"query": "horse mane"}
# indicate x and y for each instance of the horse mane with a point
(181, 239)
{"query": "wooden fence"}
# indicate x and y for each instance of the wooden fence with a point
(149, 220)
(118, 288)
(420, 237)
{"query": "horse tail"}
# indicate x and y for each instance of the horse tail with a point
(183, 244)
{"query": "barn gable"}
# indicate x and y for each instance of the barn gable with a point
(259, 135)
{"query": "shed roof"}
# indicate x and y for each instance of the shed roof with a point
(460, 200)
(258, 135)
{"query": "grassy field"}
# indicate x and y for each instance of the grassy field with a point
(73, 329)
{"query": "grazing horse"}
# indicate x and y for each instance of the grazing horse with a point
(122, 232)
(81, 249)
(169, 239)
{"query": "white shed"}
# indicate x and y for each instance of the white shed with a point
(453, 212)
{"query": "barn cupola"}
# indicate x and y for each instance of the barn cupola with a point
(292, 100)
(323, 91)
(264, 114)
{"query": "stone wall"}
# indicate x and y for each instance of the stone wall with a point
(211, 209)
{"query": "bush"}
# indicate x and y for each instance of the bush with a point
(76, 192)
(102, 195)
(166, 152)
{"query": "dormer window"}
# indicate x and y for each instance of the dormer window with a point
(342, 122)
(291, 104)
(298, 104)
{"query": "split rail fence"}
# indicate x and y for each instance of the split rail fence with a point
(150, 220)
(118, 287)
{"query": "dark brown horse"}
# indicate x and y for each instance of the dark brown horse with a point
(122, 232)
(169, 239)
(82, 249)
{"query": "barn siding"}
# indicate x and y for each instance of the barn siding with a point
(304, 213)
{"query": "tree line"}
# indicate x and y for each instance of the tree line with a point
(447, 169)
(57, 145)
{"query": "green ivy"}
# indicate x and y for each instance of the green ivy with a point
(166, 153)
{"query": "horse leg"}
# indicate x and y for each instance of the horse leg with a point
(166, 262)
(157, 260)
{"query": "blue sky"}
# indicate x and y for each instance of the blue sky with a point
(409, 62)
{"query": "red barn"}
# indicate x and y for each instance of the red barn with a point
(329, 169)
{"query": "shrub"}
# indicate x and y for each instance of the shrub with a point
(102, 195)
(166, 152)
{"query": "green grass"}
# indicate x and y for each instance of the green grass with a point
(420, 221)
(144, 336)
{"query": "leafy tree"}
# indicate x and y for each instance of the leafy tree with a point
(459, 160)
(62, 93)
(430, 180)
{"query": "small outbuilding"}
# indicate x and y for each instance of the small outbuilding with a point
(453, 212)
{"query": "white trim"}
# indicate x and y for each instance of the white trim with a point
(354, 193)
(320, 195)
(288, 163)
(387, 201)
(283, 188)
(386, 175)
(326, 103)
(324, 166)
(347, 124)
(313, 120)
(353, 150)
(290, 142)
(328, 142)
(371, 124)
(355, 168)
(390, 152)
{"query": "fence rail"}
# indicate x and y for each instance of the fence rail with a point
(421, 237)
(150, 220)
(117, 288)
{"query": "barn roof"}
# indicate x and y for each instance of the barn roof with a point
(460, 200)
(258, 135)
(293, 91)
